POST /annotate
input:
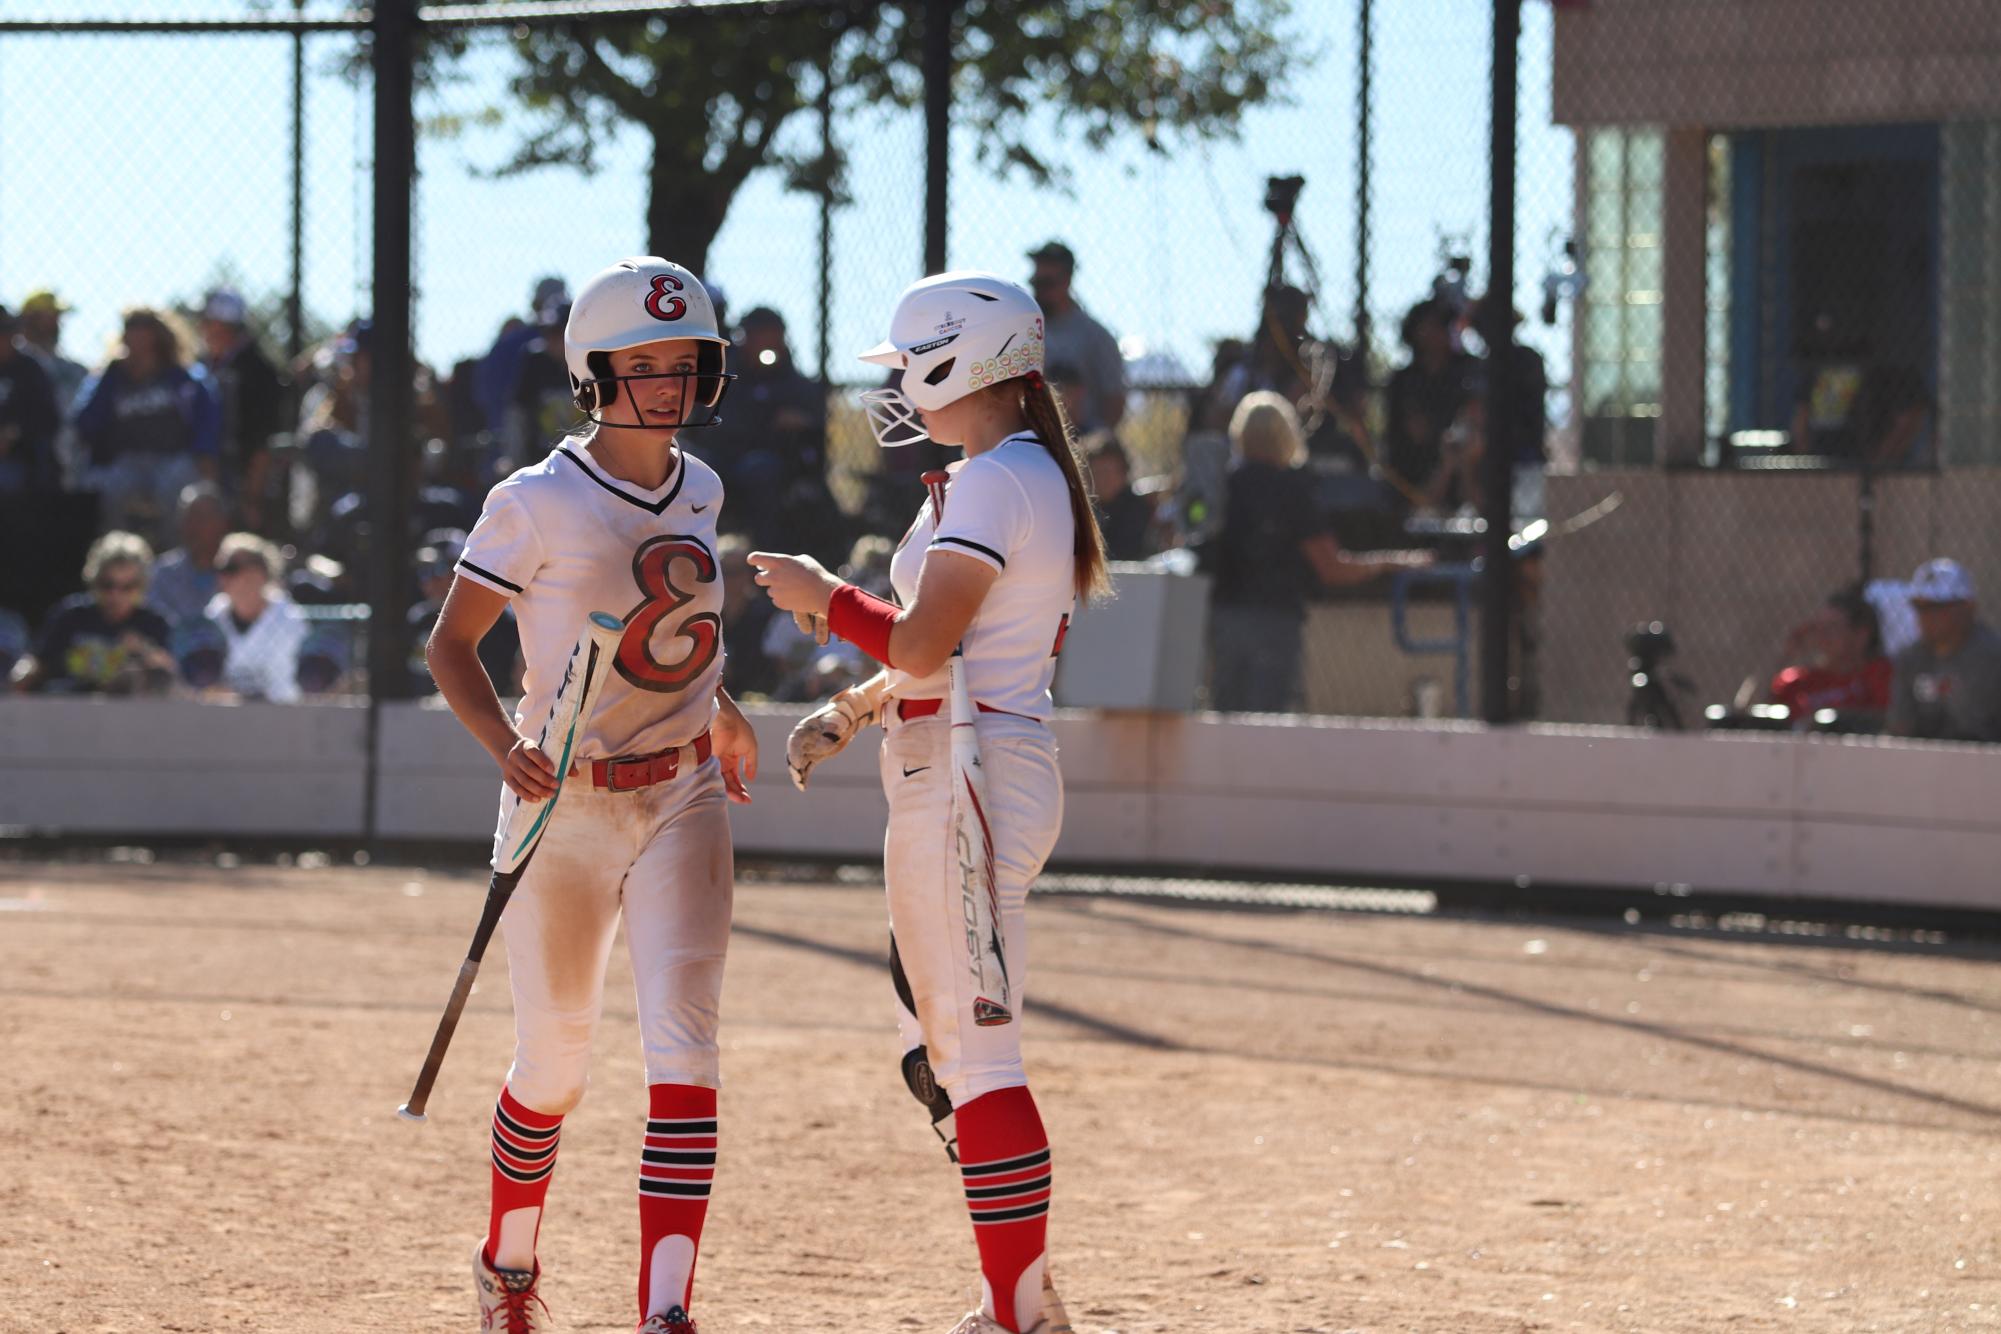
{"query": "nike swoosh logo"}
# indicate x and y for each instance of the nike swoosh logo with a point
(697, 508)
(918, 770)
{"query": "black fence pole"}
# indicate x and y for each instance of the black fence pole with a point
(390, 385)
(1497, 320)
(937, 127)
(295, 300)
(1865, 521)
(826, 311)
(1364, 151)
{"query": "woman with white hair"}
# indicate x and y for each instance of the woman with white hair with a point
(104, 640)
(262, 628)
(1274, 548)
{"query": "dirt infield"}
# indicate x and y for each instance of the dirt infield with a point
(1269, 1122)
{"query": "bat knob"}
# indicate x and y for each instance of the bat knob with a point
(408, 1115)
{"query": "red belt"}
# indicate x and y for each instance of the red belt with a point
(907, 709)
(626, 773)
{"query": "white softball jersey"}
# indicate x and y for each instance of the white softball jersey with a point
(562, 538)
(1009, 508)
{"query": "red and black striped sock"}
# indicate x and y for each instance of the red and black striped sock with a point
(524, 1154)
(1004, 1159)
(675, 1169)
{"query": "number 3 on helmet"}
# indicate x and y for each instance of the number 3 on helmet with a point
(636, 301)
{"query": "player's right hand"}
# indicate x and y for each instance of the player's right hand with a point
(528, 772)
(827, 732)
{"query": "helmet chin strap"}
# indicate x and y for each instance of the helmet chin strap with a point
(610, 389)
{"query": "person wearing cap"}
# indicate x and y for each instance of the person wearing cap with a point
(149, 422)
(41, 316)
(1070, 335)
(28, 420)
(252, 397)
(41, 331)
(1426, 394)
(1947, 685)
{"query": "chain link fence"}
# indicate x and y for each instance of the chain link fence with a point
(1754, 359)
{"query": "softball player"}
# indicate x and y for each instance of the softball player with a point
(616, 518)
(1001, 572)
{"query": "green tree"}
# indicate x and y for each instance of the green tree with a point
(712, 90)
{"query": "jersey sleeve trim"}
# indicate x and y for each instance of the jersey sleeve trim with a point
(489, 577)
(992, 555)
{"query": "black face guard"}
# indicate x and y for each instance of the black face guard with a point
(595, 396)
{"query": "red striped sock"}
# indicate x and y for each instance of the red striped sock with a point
(524, 1154)
(1004, 1158)
(675, 1169)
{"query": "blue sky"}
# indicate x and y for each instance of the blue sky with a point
(135, 168)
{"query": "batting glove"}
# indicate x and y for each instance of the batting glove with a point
(827, 732)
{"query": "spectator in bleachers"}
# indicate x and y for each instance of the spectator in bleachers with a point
(809, 670)
(1948, 684)
(1425, 394)
(1270, 360)
(1274, 548)
(771, 446)
(747, 613)
(494, 381)
(41, 338)
(28, 420)
(499, 651)
(1071, 335)
(1126, 517)
(333, 417)
(252, 396)
(41, 335)
(1875, 414)
(1326, 384)
(1834, 660)
(184, 579)
(148, 423)
(105, 640)
(543, 408)
(1525, 433)
(262, 629)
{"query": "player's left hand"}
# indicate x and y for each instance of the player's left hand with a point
(734, 745)
(797, 584)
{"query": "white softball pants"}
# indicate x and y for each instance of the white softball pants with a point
(663, 855)
(1025, 791)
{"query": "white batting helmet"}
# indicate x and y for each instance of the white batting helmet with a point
(637, 301)
(950, 335)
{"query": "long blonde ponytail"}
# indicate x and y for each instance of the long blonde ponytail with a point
(1046, 418)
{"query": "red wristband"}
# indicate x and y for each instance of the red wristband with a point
(864, 620)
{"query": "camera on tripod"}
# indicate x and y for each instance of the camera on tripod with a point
(1647, 645)
(1282, 196)
(1650, 698)
(1448, 287)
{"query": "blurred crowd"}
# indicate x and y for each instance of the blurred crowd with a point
(213, 498)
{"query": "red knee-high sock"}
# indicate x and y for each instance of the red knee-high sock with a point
(675, 1169)
(524, 1154)
(1004, 1158)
